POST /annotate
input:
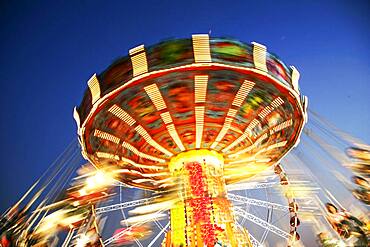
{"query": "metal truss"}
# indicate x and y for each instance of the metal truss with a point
(254, 241)
(158, 235)
(251, 185)
(122, 233)
(240, 212)
(123, 205)
(257, 202)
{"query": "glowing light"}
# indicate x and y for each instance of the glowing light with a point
(121, 114)
(232, 112)
(158, 174)
(242, 93)
(277, 102)
(203, 202)
(267, 110)
(253, 124)
(157, 99)
(154, 207)
(140, 165)
(151, 142)
(178, 223)
(249, 160)
(202, 52)
(94, 87)
(200, 88)
(155, 96)
(166, 117)
(295, 78)
(207, 203)
(106, 136)
(247, 149)
(138, 60)
(99, 180)
(140, 154)
(173, 133)
(281, 126)
(277, 145)
(259, 56)
(82, 192)
(223, 131)
(76, 117)
(82, 241)
(144, 218)
(245, 135)
(107, 155)
(200, 156)
(199, 123)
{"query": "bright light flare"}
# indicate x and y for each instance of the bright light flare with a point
(101, 179)
(154, 207)
(82, 241)
(144, 218)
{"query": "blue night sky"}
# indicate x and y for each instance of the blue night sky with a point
(50, 48)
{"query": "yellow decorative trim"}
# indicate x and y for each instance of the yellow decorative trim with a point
(295, 78)
(150, 140)
(157, 99)
(138, 60)
(240, 96)
(166, 117)
(173, 133)
(259, 56)
(141, 154)
(242, 93)
(201, 49)
(281, 126)
(105, 155)
(245, 135)
(121, 114)
(201, 155)
(136, 50)
(155, 96)
(178, 223)
(76, 117)
(254, 145)
(200, 87)
(199, 124)
(106, 136)
(93, 84)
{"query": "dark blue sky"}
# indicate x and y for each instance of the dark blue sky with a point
(48, 49)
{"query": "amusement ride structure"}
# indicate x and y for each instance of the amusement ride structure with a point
(190, 129)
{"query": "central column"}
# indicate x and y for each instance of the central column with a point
(204, 216)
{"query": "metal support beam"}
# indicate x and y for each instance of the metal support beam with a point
(123, 205)
(251, 185)
(257, 202)
(262, 223)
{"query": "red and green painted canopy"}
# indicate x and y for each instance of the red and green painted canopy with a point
(179, 95)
